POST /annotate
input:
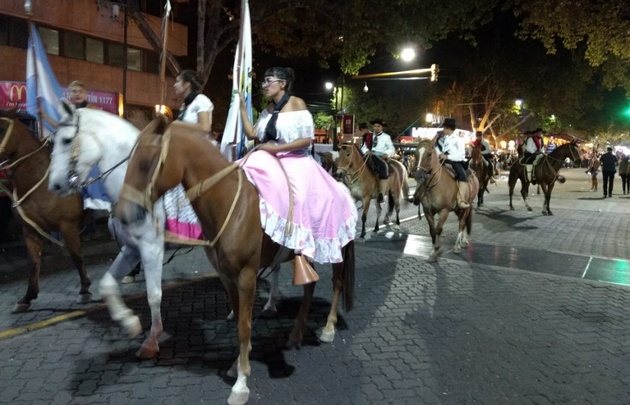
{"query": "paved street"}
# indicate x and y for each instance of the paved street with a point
(533, 312)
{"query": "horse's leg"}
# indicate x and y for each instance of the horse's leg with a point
(152, 253)
(72, 240)
(366, 207)
(433, 232)
(34, 249)
(127, 259)
(439, 227)
(511, 184)
(461, 235)
(328, 333)
(246, 290)
(270, 307)
(547, 193)
(379, 210)
(297, 334)
(525, 193)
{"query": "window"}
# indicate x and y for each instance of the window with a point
(134, 59)
(114, 55)
(4, 30)
(94, 50)
(73, 46)
(151, 62)
(50, 39)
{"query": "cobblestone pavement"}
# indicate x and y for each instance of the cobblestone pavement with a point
(511, 320)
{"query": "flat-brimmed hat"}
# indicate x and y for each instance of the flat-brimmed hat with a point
(449, 122)
(378, 121)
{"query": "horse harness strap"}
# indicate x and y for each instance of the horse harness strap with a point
(7, 135)
(6, 140)
(196, 191)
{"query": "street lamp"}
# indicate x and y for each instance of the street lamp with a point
(329, 86)
(365, 87)
(408, 54)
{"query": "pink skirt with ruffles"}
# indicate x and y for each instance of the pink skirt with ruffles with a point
(324, 215)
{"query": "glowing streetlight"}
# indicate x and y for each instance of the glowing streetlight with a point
(365, 87)
(429, 118)
(408, 54)
(329, 86)
(518, 103)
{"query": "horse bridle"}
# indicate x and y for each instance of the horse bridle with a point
(354, 174)
(74, 179)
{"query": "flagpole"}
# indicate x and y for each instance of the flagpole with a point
(29, 14)
(240, 82)
(167, 10)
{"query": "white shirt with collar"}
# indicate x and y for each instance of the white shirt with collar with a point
(381, 145)
(453, 146)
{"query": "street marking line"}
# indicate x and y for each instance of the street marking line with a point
(590, 259)
(83, 312)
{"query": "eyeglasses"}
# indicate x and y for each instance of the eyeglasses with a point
(270, 80)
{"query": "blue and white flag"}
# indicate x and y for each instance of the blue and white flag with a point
(234, 141)
(42, 88)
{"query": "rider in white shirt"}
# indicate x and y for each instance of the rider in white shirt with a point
(382, 149)
(451, 149)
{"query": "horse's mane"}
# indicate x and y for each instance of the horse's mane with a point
(106, 119)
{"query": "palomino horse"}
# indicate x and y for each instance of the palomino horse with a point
(437, 191)
(545, 173)
(363, 182)
(483, 172)
(227, 206)
(40, 210)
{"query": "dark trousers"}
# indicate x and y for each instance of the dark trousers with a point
(460, 169)
(380, 166)
(5, 216)
(609, 178)
(625, 183)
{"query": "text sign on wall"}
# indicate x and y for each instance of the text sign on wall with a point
(13, 95)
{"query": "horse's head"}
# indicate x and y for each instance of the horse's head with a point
(144, 182)
(425, 160)
(348, 155)
(68, 165)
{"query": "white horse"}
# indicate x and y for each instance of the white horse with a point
(88, 137)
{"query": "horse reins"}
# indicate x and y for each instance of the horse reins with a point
(356, 174)
(17, 202)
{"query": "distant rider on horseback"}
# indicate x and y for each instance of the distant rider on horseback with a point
(533, 152)
(451, 149)
(483, 145)
(381, 149)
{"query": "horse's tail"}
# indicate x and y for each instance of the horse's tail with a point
(348, 276)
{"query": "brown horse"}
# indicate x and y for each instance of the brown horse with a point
(40, 211)
(437, 191)
(545, 173)
(328, 162)
(358, 175)
(482, 171)
(227, 206)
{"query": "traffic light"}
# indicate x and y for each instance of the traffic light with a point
(434, 72)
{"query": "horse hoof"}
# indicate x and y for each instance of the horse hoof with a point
(230, 316)
(19, 308)
(529, 209)
(84, 298)
(361, 240)
(146, 353)
(269, 312)
(457, 249)
(238, 396)
(511, 208)
(132, 326)
(327, 336)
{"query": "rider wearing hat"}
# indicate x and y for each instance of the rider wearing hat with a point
(533, 151)
(451, 149)
(381, 149)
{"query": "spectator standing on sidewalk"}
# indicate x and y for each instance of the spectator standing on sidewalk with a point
(609, 168)
(593, 170)
(624, 173)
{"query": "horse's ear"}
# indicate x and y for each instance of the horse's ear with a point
(66, 106)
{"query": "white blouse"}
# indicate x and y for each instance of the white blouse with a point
(289, 126)
(201, 103)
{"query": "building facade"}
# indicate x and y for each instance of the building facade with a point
(85, 40)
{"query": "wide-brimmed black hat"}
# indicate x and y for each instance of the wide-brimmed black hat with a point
(538, 130)
(449, 122)
(378, 121)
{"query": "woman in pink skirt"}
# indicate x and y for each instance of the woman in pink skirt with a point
(324, 216)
